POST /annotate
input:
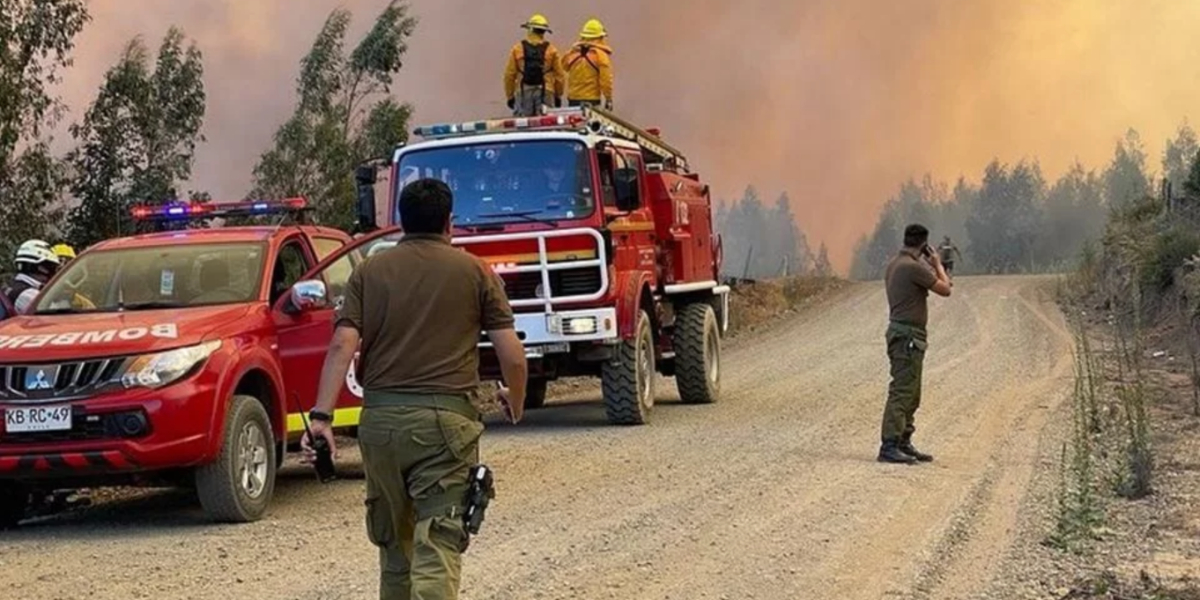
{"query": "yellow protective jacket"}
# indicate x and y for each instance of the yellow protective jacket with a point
(555, 78)
(589, 71)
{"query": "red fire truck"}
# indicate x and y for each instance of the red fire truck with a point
(175, 357)
(604, 239)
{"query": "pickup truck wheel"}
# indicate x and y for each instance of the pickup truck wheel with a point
(237, 487)
(628, 380)
(14, 503)
(535, 394)
(697, 354)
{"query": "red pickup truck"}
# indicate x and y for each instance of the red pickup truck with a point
(175, 357)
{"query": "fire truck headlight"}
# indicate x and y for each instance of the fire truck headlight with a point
(580, 325)
(163, 368)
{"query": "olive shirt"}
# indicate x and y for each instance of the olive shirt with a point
(420, 308)
(908, 280)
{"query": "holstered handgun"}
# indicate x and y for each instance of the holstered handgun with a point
(479, 494)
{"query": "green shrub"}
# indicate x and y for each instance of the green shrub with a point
(1165, 253)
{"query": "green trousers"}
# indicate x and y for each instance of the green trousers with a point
(906, 350)
(417, 461)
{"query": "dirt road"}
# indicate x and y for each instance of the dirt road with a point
(771, 493)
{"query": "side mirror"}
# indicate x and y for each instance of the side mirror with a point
(625, 182)
(364, 178)
(309, 294)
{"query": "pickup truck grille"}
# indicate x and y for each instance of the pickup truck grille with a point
(567, 282)
(58, 381)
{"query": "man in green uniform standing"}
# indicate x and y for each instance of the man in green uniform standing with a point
(910, 276)
(417, 310)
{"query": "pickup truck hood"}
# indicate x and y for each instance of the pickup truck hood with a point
(31, 339)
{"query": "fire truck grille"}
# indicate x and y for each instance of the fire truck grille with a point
(568, 282)
(33, 383)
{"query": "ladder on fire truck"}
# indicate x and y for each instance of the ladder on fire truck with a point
(604, 122)
(593, 119)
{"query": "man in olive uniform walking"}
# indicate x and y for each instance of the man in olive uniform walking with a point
(911, 274)
(417, 310)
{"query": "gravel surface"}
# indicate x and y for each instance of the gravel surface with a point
(771, 493)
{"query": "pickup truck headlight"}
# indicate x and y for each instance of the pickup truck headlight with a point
(162, 368)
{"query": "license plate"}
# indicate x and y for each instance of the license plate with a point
(37, 418)
(559, 348)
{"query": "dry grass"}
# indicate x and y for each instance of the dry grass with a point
(754, 305)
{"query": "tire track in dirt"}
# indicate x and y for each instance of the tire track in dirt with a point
(984, 527)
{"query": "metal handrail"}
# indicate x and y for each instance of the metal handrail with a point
(544, 265)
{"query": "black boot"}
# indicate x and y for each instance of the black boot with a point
(907, 448)
(890, 452)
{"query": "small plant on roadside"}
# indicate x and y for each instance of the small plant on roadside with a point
(1135, 467)
(1079, 512)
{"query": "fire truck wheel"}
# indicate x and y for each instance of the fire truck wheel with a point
(535, 394)
(237, 487)
(628, 380)
(698, 354)
(15, 498)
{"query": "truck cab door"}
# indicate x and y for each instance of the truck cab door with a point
(305, 333)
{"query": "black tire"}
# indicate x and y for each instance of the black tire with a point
(15, 498)
(628, 387)
(245, 455)
(535, 394)
(698, 354)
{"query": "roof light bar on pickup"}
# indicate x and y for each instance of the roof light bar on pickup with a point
(196, 210)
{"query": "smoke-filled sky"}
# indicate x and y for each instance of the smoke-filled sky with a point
(834, 101)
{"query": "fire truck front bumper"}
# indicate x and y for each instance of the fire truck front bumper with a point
(553, 333)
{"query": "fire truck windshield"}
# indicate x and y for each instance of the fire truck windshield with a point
(504, 182)
(157, 277)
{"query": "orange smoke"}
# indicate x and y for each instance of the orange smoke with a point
(835, 101)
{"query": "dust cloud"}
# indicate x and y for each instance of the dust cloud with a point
(834, 101)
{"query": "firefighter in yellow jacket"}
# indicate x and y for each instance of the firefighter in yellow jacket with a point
(589, 68)
(533, 77)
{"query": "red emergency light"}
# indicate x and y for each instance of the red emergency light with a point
(195, 210)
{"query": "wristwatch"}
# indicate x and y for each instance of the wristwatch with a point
(316, 415)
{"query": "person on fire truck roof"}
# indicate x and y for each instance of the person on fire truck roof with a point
(589, 68)
(36, 264)
(534, 68)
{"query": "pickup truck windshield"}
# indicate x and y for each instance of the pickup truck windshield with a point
(504, 182)
(157, 277)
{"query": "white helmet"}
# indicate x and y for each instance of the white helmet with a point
(35, 252)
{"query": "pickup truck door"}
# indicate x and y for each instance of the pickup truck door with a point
(304, 337)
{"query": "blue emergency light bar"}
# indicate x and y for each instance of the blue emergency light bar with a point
(199, 210)
(559, 121)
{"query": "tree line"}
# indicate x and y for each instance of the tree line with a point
(765, 242)
(136, 141)
(1014, 221)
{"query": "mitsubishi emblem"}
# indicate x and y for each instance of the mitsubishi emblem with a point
(38, 381)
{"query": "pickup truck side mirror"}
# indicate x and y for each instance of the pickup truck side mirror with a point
(308, 295)
(625, 182)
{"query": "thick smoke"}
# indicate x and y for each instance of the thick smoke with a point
(835, 101)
